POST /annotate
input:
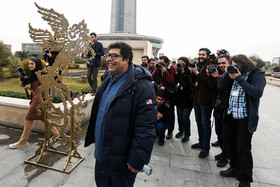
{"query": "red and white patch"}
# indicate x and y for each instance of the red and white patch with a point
(149, 101)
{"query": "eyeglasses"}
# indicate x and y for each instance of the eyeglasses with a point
(114, 56)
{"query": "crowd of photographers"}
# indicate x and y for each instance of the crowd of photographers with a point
(229, 88)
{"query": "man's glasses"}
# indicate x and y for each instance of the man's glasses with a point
(114, 56)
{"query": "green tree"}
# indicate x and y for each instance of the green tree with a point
(13, 65)
(258, 60)
(5, 53)
(22, 54)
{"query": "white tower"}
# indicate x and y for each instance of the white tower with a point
(123, 16)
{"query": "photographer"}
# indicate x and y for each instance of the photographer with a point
(202, 101)
(165, 73)
(95, 63)
(49, 56)
(215, 73)
(183, 101)
(246, 84)
(164, 116)
(35, 65)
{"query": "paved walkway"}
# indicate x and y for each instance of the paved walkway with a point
(174, 164)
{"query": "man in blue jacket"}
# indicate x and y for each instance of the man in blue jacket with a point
(246, 85)
(123, 119)
(94, 64)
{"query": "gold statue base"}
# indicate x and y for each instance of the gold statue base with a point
(64, 170)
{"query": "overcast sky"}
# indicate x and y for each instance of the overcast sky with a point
(240, 26)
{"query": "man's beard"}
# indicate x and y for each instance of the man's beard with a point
(204, 60)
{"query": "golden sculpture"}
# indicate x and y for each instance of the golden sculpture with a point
(70, 42)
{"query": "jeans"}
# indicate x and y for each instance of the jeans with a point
(239, 143)
(161, 127)
(184, 121)
(103, 179)
(220, 128)
(92, 73)
(202, 117)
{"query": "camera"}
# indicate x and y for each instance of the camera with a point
(89, 54)
(46, 51)
(192, 64)
(212, 67)
(21, 71)
(232, 68)
(223, 52)
(160, 64)
(180, 65)
(212, 58)
(24, 78)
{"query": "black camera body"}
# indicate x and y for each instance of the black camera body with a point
(223, 52)
(24, 78)
(160, 64)
(181, 65)
(46, 51)
(21, 71)
(192, 64)
(212, 67)
(212, 58)
(232, 68)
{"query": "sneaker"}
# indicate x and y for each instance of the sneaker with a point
(244, 184)
(16, 145)
(185, 139)
(169, 136)
(203, 154)
(222, 162)
(160, 142)
(215, 144)
(218, 156)
(230, 172)
(179, 135)
(196, 146)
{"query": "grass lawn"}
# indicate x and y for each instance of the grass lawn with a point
(74, 84)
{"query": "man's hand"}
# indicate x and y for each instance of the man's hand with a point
(194, 70)
(163, 69)
(159, 115)
(132, 169)
(215, 73)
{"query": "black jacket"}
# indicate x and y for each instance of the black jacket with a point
(99, 52)
(130, 123)
(183, 96)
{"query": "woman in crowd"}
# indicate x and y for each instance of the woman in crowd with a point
(34, 65)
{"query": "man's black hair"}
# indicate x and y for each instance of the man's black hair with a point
(151, 59)
(161, 93)
(125, 50)
(165, 59)
(224, 56)
(145, 57)
(93, 33)
(205, 49)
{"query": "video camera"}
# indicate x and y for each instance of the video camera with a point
(232, 68)
(181, 65)
(160, 64)
(192, 64)
(212, 67)
(24, 78)
(46, 51)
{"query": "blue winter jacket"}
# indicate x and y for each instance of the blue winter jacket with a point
(254, 92)
(129, 133)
